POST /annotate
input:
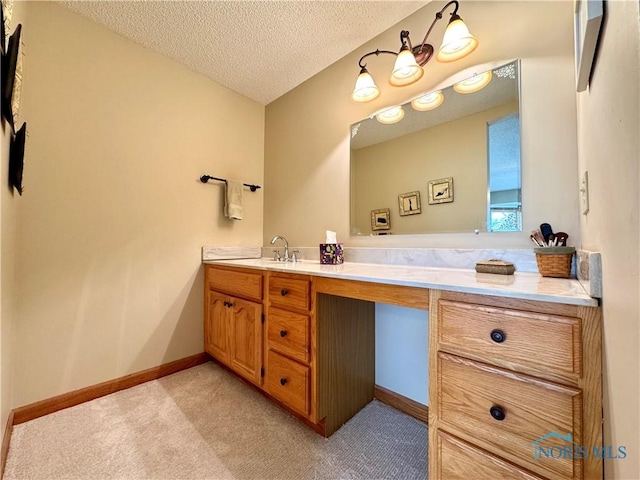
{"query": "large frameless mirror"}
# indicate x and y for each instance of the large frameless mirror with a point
(452, 168)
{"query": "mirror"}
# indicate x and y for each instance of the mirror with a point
(455, 168)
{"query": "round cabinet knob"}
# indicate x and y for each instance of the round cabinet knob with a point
(284, 291)
(283, 381)
(283, 333)
(497, 413)
(498, 336)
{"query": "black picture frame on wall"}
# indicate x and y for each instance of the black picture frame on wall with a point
(9, 64)
(586, 26)
(16, 158)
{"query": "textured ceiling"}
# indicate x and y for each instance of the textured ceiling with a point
(261, 49)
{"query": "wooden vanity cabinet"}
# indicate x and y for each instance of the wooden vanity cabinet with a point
(233, 325)
(314, 353)
(507, 377)
(320, 348)
(288, 368)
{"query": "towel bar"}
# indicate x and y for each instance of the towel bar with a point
(206, 178)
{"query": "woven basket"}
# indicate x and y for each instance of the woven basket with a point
(554, 261)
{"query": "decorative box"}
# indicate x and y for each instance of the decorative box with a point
(495, 266)
(331, 254)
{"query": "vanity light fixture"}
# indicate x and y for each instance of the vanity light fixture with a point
(427, 102)
(366, 89)
(456, 44)
(391, 115)
(473, 84)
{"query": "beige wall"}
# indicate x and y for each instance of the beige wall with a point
(10, 203)
(428, 154)
(109, 276)
(307, 130)
(609, 146)
(307, 168)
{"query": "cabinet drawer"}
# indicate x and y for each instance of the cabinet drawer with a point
(289, 292)
(506, 412)
(237, 282)
(288, 332)
(531, 342)
(289, 382)
(460, 460)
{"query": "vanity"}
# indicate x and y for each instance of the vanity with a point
(514, 362)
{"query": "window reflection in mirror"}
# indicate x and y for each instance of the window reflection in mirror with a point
(451, 141)
(505, 192)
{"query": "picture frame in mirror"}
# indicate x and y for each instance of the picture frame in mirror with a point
(409, 203)
(380, 219)
(441, 191)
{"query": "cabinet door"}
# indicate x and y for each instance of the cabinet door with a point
(246, 333)
(216, 328)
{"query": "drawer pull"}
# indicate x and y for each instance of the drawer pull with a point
(497, 413)
(498, 336)
(283, 333)
(283, 381)
(228, 304)
(284, 291)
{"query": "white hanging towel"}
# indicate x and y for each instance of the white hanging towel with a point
(233, 208)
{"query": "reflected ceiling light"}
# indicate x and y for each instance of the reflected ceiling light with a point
(428, 101)
(390, 115)
(457, 43)
(473, 84)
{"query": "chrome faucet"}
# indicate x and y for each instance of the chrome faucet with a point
(286, 246)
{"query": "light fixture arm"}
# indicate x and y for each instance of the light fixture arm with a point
(424, 51)
(376, 53)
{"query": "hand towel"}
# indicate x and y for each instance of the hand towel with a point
(233, 208)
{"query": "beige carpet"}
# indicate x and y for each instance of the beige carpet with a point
(204, 423)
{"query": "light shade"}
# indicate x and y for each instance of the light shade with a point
(390, 115)
(473, 84)
(428, 101)
(365, 89)
(458, 42)
(406, 70)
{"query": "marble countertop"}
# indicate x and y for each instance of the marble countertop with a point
(529, 286)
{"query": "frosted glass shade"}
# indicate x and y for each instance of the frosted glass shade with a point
(365, 89)
(391, 115)
(428, 102)
(406, 70)
(457, 43)
(473, 84)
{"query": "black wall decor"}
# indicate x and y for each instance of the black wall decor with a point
(9, 63)
(16, 158)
